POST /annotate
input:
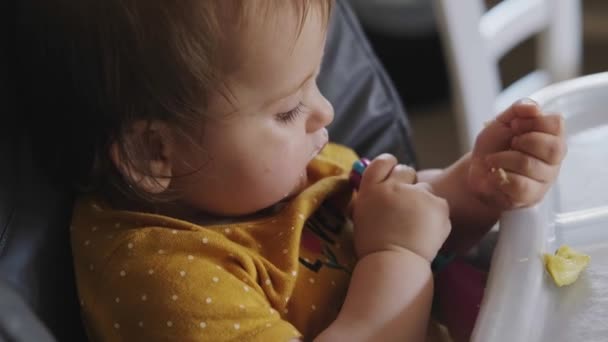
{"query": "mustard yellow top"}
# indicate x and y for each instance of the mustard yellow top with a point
(147, 277)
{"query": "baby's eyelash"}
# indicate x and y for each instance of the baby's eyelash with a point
(291, 115)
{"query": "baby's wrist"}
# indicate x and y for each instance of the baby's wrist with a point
(405, 255)
(490, 204)
(397, 249)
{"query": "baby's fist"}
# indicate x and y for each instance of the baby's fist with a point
(517, 157)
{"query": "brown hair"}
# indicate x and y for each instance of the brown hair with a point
(91, 68)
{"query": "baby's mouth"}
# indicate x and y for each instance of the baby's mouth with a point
(318, 149)
(324, 139)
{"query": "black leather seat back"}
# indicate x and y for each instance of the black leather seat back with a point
(35, 258)
(369, 115)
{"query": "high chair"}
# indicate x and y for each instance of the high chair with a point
(475, 40)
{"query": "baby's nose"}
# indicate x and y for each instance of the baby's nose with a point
(321, 116)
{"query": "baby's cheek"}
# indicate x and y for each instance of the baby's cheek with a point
(289, 179)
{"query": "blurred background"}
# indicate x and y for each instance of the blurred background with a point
(411, 51)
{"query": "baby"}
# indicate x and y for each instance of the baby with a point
(215, 209)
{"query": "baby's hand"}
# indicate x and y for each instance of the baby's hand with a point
(391, 213)
(517, 157)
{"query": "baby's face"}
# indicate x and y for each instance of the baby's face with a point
(271, 128)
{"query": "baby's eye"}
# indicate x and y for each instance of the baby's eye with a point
(291, 115)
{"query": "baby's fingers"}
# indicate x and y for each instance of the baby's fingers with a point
(403, 174)
(549, 148)
(378, 170)
(523, 164)
(550, 124)
(521, 191)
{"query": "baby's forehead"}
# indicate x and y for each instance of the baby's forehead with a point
(276, 57)
(277, 26)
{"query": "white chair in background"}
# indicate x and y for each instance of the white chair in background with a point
(475, 39)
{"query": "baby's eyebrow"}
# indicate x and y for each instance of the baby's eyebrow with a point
(310, 76)
(293, 90)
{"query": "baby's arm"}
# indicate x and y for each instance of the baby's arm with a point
(389, 299)
(398, 229)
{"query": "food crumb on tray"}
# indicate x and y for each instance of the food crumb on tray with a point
(565, 265)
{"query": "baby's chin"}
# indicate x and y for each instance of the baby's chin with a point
(258, 203)
(301, 184)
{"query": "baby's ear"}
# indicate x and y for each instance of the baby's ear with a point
(144, 156)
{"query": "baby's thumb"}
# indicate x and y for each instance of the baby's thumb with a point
(523, 108)
(497, 134)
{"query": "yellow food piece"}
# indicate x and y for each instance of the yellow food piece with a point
(503, 176)
(566, 265)
(504, 179)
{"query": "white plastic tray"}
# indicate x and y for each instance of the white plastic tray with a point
(521, 303)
